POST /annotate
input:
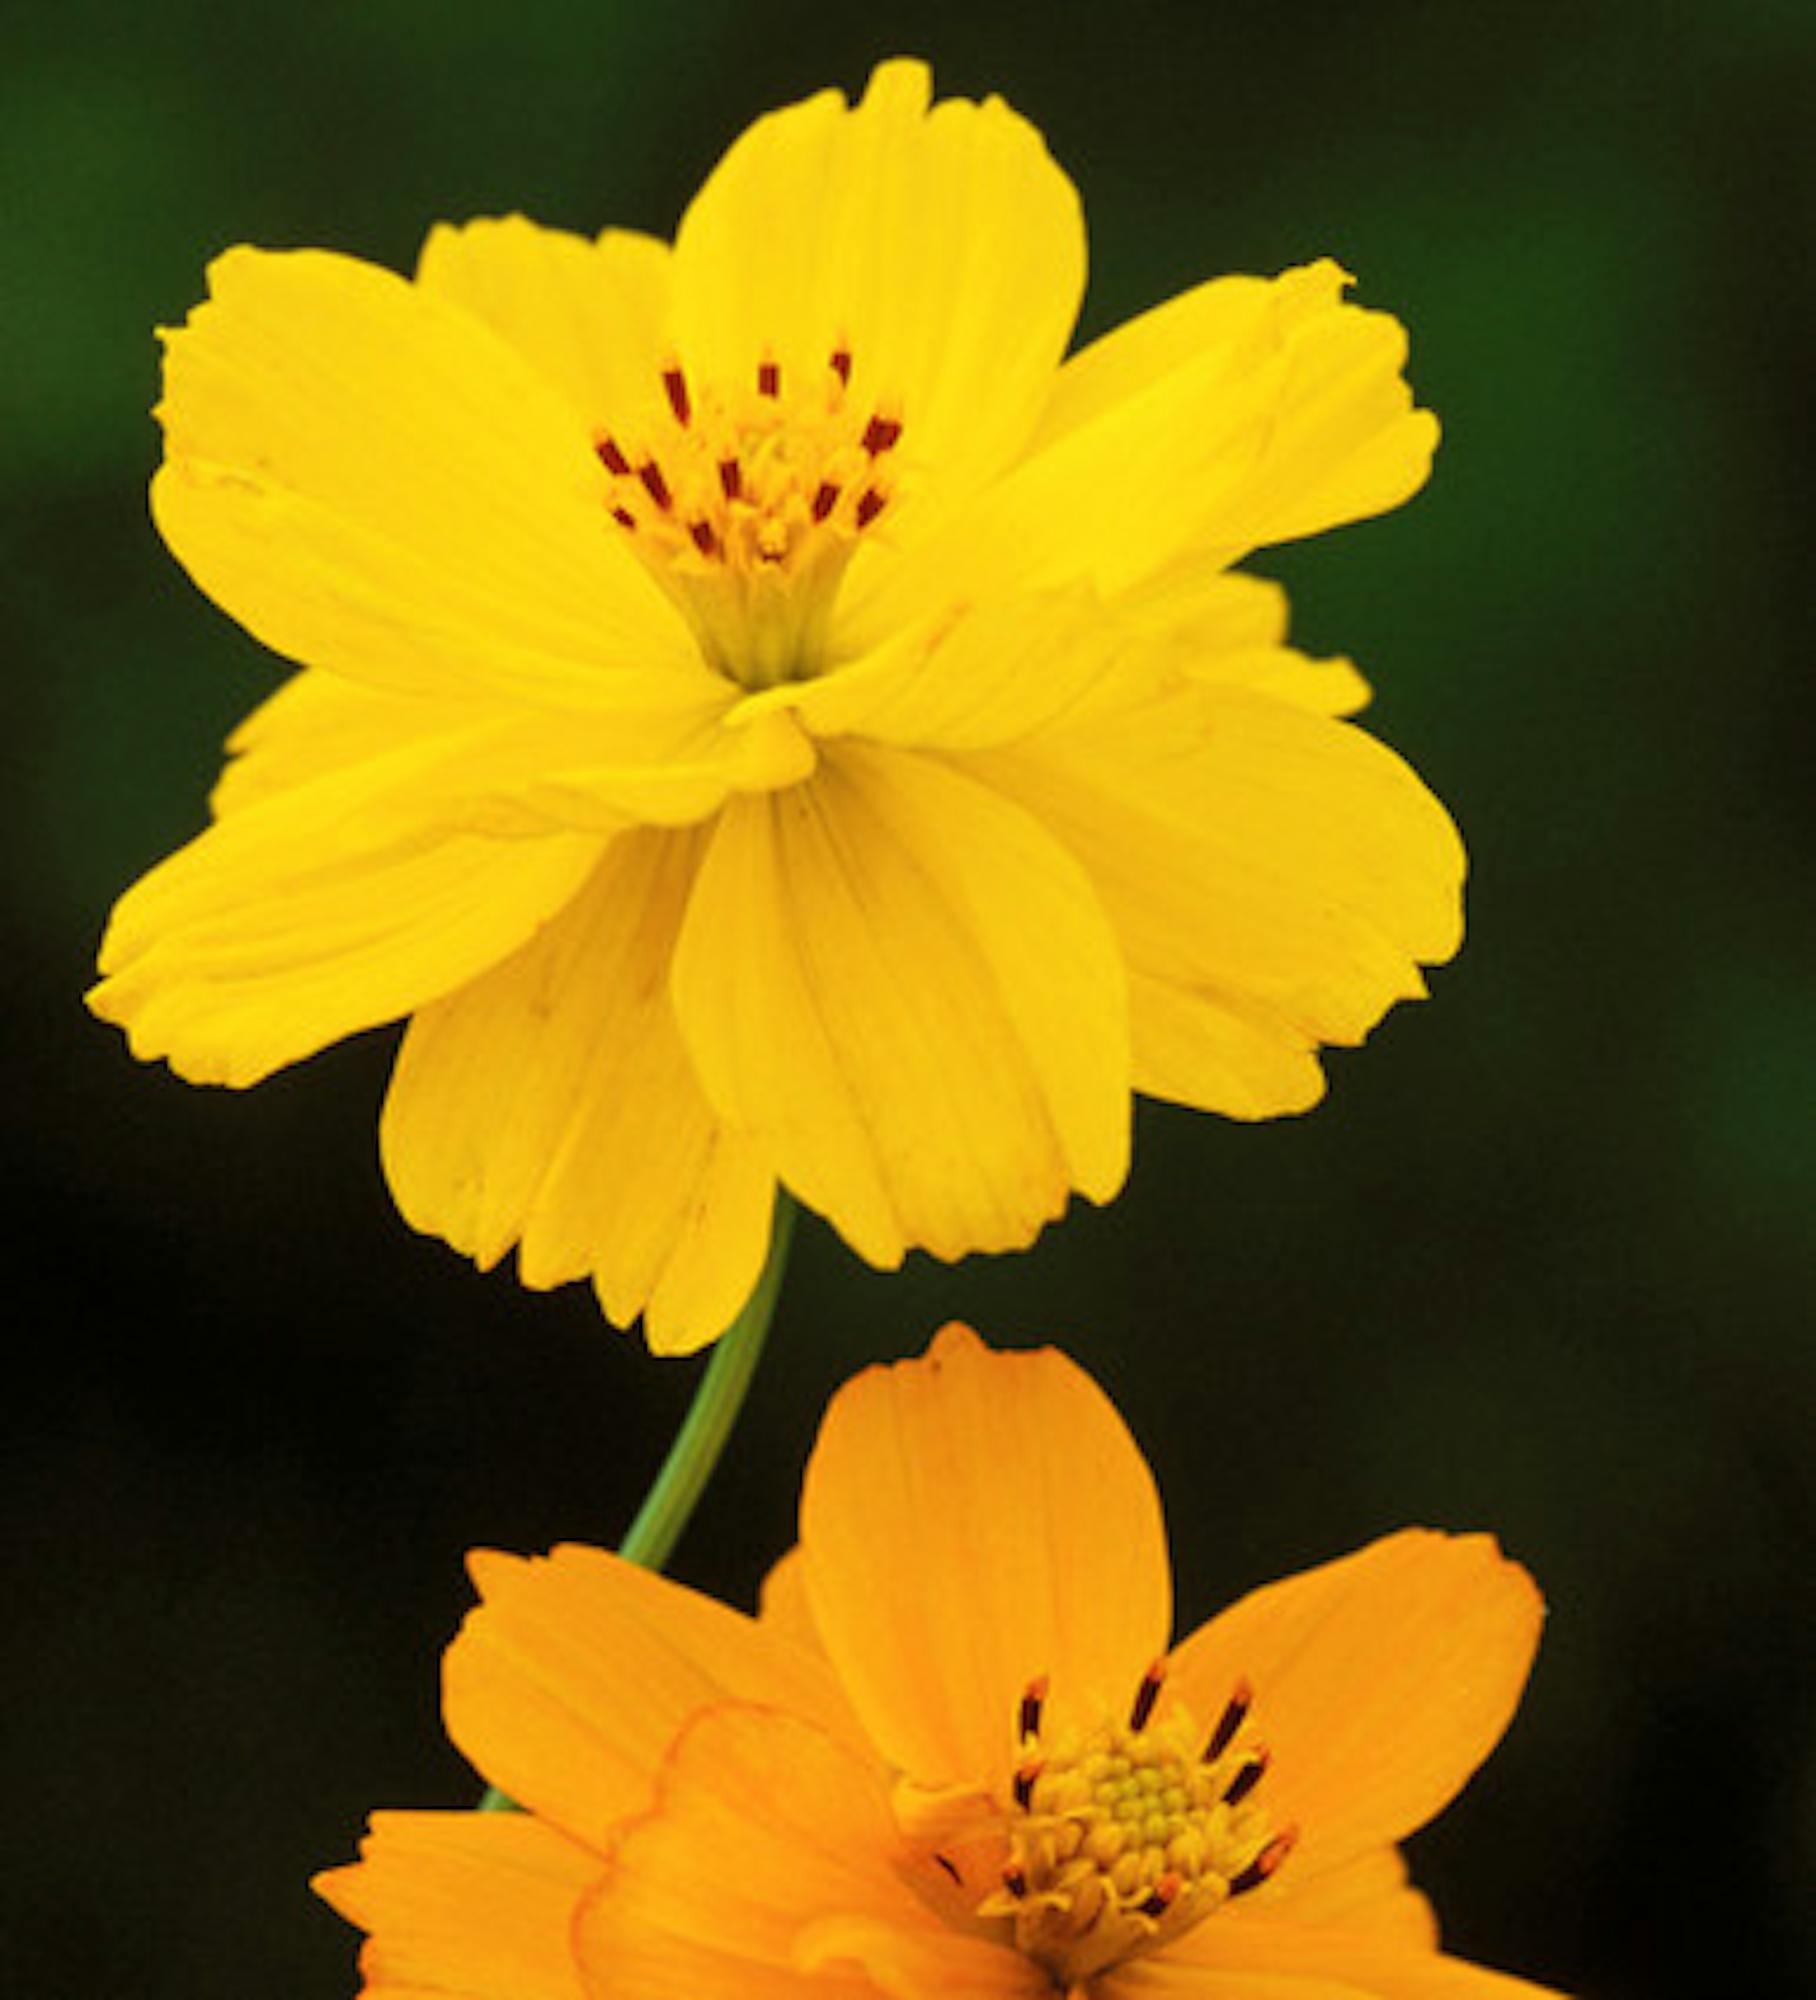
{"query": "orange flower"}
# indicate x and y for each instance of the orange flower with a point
(952, 1756)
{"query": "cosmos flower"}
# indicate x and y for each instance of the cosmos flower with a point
(954, 1755)
(766, 718)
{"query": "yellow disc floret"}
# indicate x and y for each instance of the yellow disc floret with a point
(1126, 1832)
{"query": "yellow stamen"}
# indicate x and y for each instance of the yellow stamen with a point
(748, 501)
(1125, 1833)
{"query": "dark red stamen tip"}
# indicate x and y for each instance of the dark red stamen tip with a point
(880, 435)
(704, 538)
(1166, 1894)
(1033, 1701)
(951, 1868)
(611, 457)
(731, 478)
(1246, 1779)
(678, 399)
(769, 378)
(841, 364)
(1234, 1715)
(1265, 1863)
(624, 517)
(1015, 1880)
(870, 505)
(1147, 1695)
(655, 485)
(1024, 1784)
(825, 500)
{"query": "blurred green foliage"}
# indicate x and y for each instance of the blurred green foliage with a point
(1542, 1263)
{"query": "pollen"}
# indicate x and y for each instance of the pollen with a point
(1125, 1831)
(747, 499)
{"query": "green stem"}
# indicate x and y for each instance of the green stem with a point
(699, 1444)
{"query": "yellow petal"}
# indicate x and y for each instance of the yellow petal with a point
(1230, 1959)
(310, 916)
(943, 250)
(589, 314)
(765, 1829)
(1284, 874)
(570, 1681)
(1380, 1682)
(971, 1521)
(550, 1104)
(371, 480)
(1241, 414)
(908, 996)
(1227, 631)
(477, 1905)
(1346, 441)
(987, 676)
(1111, 504)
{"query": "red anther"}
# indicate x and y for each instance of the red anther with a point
(951, 1867)
(1147, 1695)
(704, 539)
(678, 399)
(870, 505)
(1265, 1863)
(1246, 1779)
(1024, 1783)
(825, 500)
(624, 517)
(769, 378)
(880, 435)
(1234, 1715)
(1164, 1896)
(731, 478)
(655, 485)
(1033, 1701)
(841, 364)
(611, 457)
(1015, 1879)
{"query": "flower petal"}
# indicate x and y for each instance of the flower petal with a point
(1347, 442)
(1380, 1682)
(590, 314)
(372, 481)
(551, 1104)
(768, 1839)
(1370, 1892)
(970, 1521)
(989, 676)
(1244, 413)
(941, 249)
(568, 1683)
(478, 1905)
(907, 994)
(313, 915)
(1288, 1961)
(1275, 878)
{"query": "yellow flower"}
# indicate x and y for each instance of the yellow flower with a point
(953, 1755)
(764, 720)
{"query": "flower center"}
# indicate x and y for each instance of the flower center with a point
(748, 500)
(1125, 1833)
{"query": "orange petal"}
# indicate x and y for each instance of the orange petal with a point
(472, 1904)
(1380, 1682)
(568, 1684)
(1369, 1893)
(1232, 1960)
(768, 1840)
(970, 1521)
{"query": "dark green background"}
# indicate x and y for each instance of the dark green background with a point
(1541, 1263)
